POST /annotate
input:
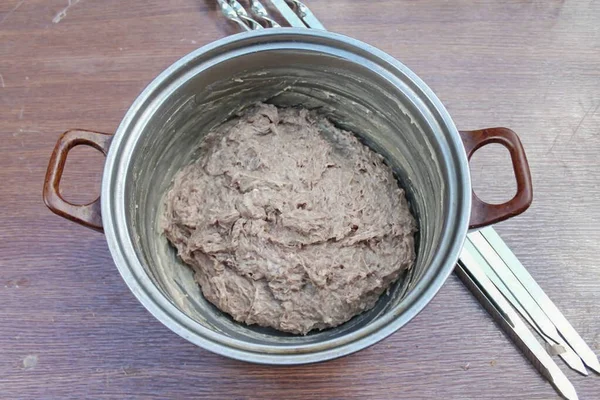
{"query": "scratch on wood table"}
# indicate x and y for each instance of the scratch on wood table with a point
(8, 14)
(63, 13)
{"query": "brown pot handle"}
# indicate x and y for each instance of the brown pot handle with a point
(483, 213)
(86, 214)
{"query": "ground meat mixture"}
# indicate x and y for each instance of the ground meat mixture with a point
(288, 221)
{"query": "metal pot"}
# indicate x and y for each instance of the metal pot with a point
(363, 90)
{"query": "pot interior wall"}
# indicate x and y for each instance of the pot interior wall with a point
(352, 95)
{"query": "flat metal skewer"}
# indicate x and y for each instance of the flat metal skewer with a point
(516, 288)
(288, 14)
(562, 349)
(470, 272)
(231, 15)
(260, 12)
(562, 325)
(305, 14)
(243, 15)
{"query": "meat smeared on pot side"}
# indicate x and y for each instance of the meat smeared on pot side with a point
(288, 221)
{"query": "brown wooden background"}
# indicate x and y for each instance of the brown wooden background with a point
(69, 327)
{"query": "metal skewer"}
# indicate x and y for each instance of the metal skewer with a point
(470, 272)
(305, 14)
(520, 293)
(563, 350)
(243, 15)
(231, 15)
(260, 12)
(287, 13)
(563, 326)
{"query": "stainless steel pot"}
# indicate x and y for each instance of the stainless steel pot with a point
(363, 90)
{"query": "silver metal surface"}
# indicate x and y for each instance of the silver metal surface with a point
(515, 287)
(470, 272)
(305, 14)
(231, 15)
(260, 12)
(561, 348)
(359, 87)
(288, 14)
(544, 302)
(244, 16)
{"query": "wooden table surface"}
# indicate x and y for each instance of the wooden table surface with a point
(70, 328)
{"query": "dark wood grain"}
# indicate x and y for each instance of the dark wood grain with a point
(71, 329)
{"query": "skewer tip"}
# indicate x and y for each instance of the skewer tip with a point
(566, 389)
(593, 364)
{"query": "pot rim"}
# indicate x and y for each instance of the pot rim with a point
(123, 252)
